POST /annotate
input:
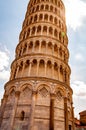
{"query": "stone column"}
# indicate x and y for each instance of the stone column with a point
(73, 116)
(33, 47)
(52, 97)
(29, 69)
(63, 75)
(17, 71)
(66, 113)
(39, 47)
(59, 72)
(37, 68)
(46, 48)
(53, 70)
(11, 74)
(53, 50)
(22, 50)
(31, 120)
(3, 106)
(45, 69)
(12, 116)
(22, 73)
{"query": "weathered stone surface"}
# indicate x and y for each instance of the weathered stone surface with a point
(39, 96)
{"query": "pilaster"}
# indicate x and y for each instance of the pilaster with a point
(12, 116)
(66, 113)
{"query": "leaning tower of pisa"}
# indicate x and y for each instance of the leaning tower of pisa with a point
(38, 95)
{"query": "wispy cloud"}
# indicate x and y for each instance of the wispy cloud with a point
(79, 96)
(4, 64)
(79, 57)
(75, 13)
(79, 88)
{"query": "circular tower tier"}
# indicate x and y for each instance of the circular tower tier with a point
(42, 50)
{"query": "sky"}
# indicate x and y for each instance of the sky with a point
(12, 14)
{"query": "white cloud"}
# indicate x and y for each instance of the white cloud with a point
(79, 57)
(4, 64)
(79, 89)
(79, 96)
(75, 13)
(4, 75)
(4, 60)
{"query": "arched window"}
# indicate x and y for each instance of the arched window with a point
(40, 16)
(33, 30)
(27, 63)
(28, 32)
(49, 64)
(51, 8)
(39, 29)
(22, 115)
(61, 69)
(51, 18)
(59, 23)
(45, 29)
(21, 66)
(50, 45)
(55, 48)
(35, 18)
(55, 20)
(34, 62)
(31, 20)
(46, 7)
(25, 47)
(50, 30)
(60, 36)
(41, 63)
(42, 7)
(46, 17)
(33, 10)
(31, 44)
(37, 8)
(36, 44)
(56, 10)
(55, 33)
(55, 66)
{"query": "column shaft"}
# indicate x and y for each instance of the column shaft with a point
(66, 113)
(31, 120)
(73, 117)
(29, 69)
(12, 116)
(52, 113)
(3, 106)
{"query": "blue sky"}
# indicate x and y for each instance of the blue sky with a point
(12, 14)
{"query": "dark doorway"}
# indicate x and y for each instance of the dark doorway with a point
(70, 127)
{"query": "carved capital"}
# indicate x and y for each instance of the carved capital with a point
(17, 93)
(65, 99)
(53, 96)
(34, 92)
(5, 96)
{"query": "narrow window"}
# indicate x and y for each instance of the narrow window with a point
(22, 115)
(69, 127)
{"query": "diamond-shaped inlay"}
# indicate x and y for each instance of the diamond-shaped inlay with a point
(59, 95)
(43, 92)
